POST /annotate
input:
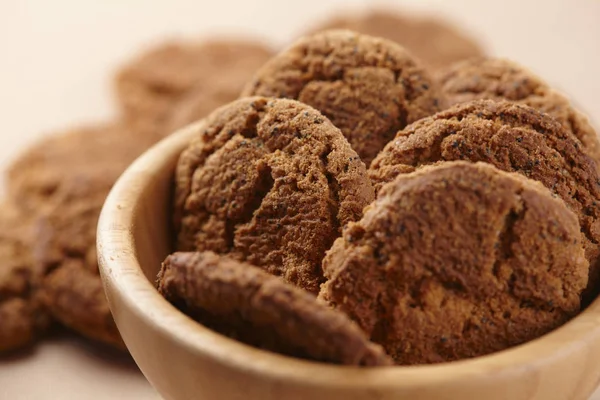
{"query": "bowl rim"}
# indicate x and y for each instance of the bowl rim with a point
(120, 268)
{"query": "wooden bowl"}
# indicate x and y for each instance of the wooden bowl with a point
(184, 360)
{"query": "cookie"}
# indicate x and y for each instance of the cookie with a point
(270, 182)
(457, 261)
(37, 174)
(200, 102)
(62, 181)
(23, 319)
(259, 309)
(434, 42)
(513, 138)
(66, 250)
(153, 84)
(368, 87)
(500, 79)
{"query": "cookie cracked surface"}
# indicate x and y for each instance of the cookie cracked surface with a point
(368, 87)
(456, 261)
(250, 305)
(500, 79)
(513, 138)
(270, 182)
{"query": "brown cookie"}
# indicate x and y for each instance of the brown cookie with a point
(456, 261)
(433, 41)
(259, 309)
(513, 138)
(66, 250)
(368, 87)
(63, 181)
(499, 79)
(152, 85)
(271, 182)
(37, 174)
(23, 319)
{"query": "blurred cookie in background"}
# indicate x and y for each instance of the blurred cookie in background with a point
(61, 183)
(38, 173)
(434, 41)
(23, 319)
(151, 85)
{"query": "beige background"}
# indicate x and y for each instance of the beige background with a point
(56, 57)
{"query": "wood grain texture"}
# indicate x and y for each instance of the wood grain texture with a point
(184, 360)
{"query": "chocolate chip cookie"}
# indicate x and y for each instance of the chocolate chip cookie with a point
(499, 79)
(434, 42)
(152, 85)
(513, 138)
(456, 261)
(250, 305)
(23, 318)
(368, 87)
(270, 182)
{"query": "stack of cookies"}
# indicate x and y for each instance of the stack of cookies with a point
(360, 203)
(356, 207)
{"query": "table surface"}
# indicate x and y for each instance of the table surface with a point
(56, 61)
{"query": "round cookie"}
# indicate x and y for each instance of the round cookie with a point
(150, 86)
(257, 308)
(500, 79)
(23, 319)
(62, 181)
(270, 182)
(456, 261)
(368, 87)
(432, 41)
(513, 138)
(37, 174)
(66, 249)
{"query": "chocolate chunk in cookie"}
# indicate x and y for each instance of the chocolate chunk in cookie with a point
(23, 319)
(151, 86)
(499, 79)
(433, 41)
(271, 182)
(513, 138)
(368, 87)
(259, 309)
(456, 261)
